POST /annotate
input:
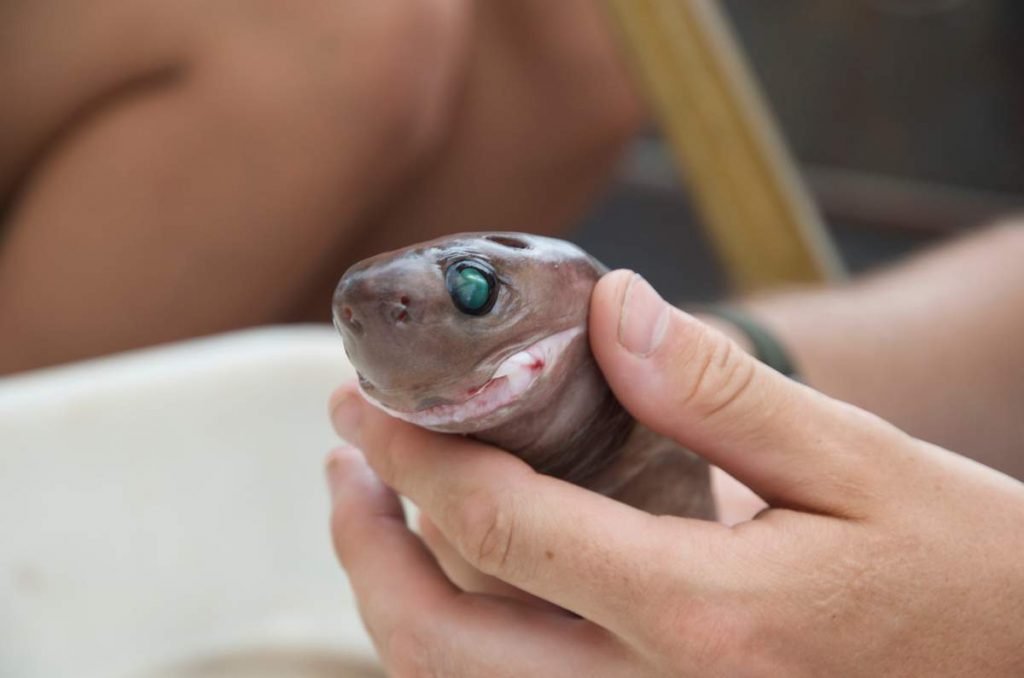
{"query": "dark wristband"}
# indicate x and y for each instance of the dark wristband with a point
(767, 348)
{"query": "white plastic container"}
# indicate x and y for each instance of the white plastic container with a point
(163, 512)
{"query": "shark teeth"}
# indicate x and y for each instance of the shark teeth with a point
(517, 371)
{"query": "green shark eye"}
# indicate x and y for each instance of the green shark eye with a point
(472, 287)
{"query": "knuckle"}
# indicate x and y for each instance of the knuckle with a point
(384, 445)
(339, 533)
(718, 377)
(342, 527)
(485, 527)
(845, 484)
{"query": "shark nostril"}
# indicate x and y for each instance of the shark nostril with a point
(347, 319)
(400, 309)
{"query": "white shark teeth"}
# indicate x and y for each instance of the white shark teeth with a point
(517, 370)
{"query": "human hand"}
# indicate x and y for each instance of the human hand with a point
(880, 554)
(734, 502)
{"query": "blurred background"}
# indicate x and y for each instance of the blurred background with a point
(906, 117)
(160, 511)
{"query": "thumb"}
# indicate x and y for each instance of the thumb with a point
(685, 380)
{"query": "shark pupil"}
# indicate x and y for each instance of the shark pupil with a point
(472, 288)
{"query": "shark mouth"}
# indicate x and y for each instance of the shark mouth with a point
(510, 381)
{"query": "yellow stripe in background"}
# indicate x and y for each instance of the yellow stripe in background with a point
(753, 204)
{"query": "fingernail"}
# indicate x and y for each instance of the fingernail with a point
(643, 319)
(347, 417)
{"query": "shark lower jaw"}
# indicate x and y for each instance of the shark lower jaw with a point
(507, 387)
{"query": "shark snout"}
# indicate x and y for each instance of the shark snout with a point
(361, 307)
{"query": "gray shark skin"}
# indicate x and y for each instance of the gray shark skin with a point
(515, 369)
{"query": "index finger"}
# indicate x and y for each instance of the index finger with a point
(421, 624)
(575, 548)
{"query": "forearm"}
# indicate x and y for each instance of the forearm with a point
(935, 345)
